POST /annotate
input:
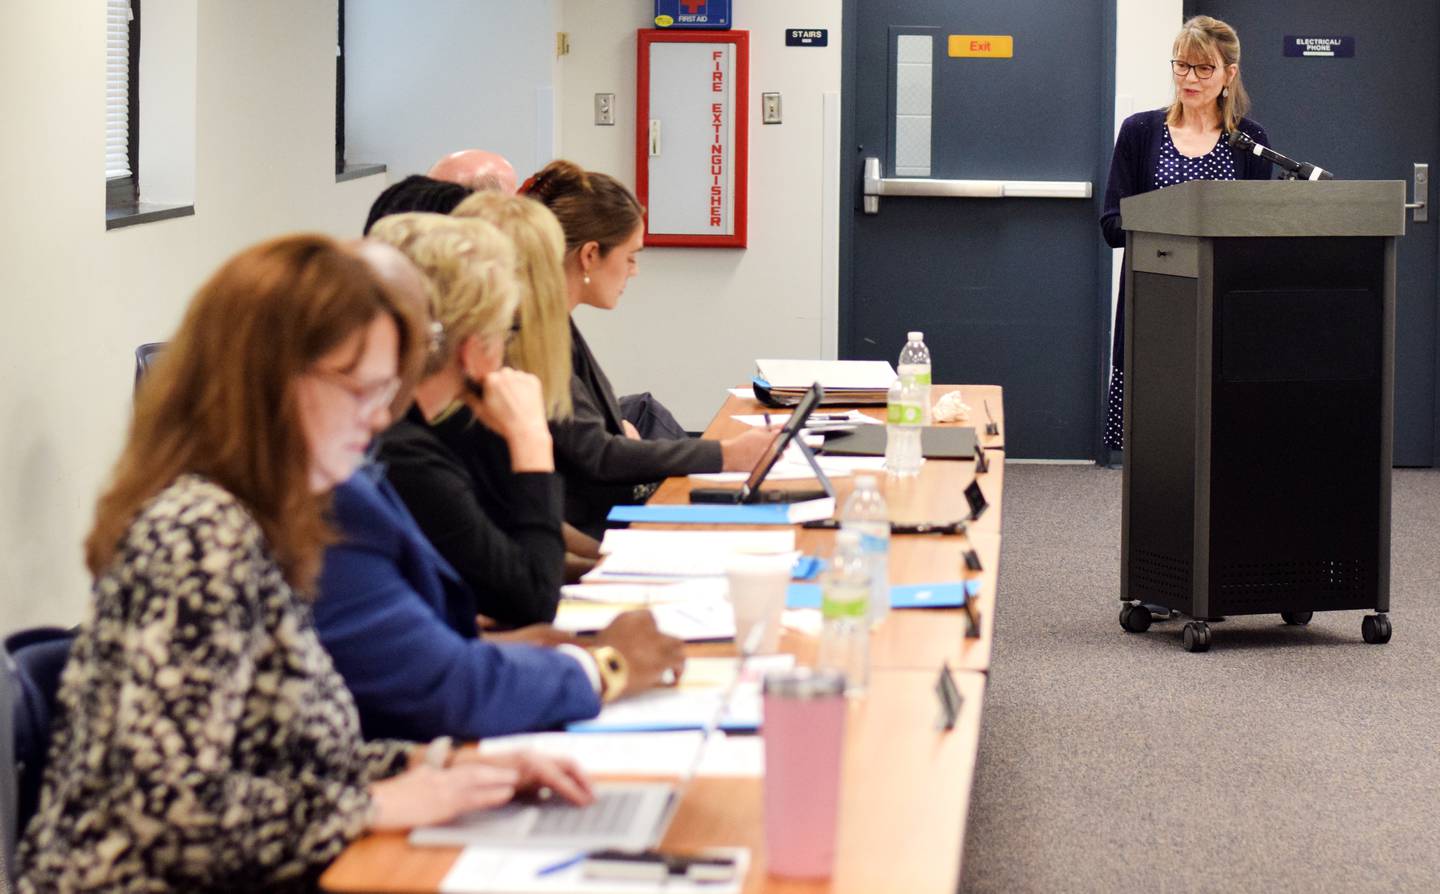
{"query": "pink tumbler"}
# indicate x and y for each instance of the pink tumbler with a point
(804, 732)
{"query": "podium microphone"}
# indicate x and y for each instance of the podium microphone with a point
(1299, 170)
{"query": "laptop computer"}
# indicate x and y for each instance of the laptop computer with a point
(630, 816)
(750, 491)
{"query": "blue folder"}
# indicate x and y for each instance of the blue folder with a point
(705, 514)
(951, 594)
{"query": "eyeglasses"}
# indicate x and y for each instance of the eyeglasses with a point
(368, 398)
(1202, 71)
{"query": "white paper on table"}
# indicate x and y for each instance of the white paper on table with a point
(514, 870)
(841, 375)
(742, 392)
(625, 539)
(642, 754)
(698, 621)
(647, 592)
(855, 417)
(693, 703)
(675, 563)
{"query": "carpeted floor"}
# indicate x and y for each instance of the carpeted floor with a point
(1284, 759)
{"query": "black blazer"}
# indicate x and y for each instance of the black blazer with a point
(499, 529)
(599, 464)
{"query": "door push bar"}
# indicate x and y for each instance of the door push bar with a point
(877, 185)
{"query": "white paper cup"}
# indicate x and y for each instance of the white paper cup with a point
(757, 593)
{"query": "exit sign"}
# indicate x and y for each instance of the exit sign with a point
(982, 46)
(692, 14)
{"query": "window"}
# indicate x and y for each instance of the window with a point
(122, 105)
(345, 170)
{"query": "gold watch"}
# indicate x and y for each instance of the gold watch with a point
(614, 671)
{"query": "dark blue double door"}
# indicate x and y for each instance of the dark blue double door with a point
(1009, 291)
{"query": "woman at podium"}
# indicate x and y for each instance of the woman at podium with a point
(1187, 141)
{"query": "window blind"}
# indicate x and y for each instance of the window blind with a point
(117, 89)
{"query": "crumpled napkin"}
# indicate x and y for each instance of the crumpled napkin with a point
(951, 408)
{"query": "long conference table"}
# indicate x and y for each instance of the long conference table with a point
(906, 783)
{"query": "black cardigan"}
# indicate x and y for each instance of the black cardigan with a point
(600, 465)
(499, 529)
(1132, 171)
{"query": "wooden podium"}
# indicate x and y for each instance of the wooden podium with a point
(1259, 355)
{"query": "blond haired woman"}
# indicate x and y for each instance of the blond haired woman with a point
(496, 516)
(202, 739)
(398, 619)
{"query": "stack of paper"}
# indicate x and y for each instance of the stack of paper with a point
(642, 754)
(640, 556)
(846, 382)
(693, 703)
(695, 622)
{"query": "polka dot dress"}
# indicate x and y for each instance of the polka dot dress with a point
(1171, 168)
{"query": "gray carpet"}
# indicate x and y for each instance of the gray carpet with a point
(1284, 759)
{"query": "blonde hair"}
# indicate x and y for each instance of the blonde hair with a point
(1211, 39)
(542, 346)
(469, 271)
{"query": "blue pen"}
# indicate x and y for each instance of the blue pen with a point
(562, 865)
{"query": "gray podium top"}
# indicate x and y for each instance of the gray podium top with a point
(1270, 208)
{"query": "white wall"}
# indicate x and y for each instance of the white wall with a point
(77, 300)
(1144, 32)
(428, 77)
(694, 320)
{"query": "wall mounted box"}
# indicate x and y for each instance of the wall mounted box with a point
(691, 136)
(712, 14)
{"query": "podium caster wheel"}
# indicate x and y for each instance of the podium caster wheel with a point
(1135, 618)
(1376, 629)
(1297, 618)
(1197, 636)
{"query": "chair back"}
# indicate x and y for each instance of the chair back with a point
(9, 775)
(32, 661)
(144, 357)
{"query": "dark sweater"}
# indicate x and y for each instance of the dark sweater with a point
(1132, 171)
(499, 529)
(1137, 151)
(600, 465)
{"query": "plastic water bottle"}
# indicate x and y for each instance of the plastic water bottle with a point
(844, 609)
(866, 513)
(915, 363)
(904, 420)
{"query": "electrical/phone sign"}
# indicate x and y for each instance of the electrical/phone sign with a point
(692, 14)
(982, 46)
(807, 37)
(1331, 47)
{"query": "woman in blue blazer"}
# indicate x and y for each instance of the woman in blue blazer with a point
(1187, 141)
(397, 619)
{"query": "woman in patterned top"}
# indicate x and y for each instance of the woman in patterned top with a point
(202, 738)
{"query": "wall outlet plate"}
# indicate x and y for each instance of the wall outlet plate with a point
(605, 109)
(770, 108)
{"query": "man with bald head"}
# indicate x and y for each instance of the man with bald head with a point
(476, 169)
